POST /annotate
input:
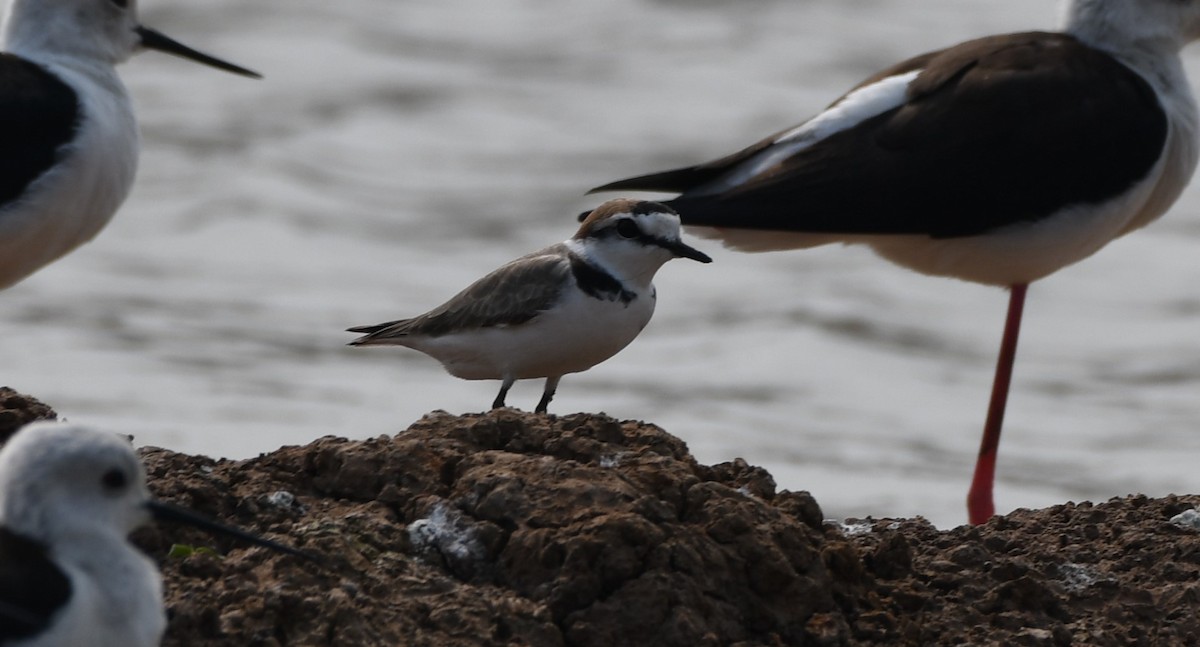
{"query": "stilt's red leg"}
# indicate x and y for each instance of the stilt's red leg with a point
(980, 506)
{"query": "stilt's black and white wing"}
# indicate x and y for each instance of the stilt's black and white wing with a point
(953, 143)
(39, 115)
(32, 588)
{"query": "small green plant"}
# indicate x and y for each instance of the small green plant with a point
(184, 551)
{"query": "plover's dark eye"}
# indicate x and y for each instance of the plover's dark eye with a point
(114, 479)
(628, 229)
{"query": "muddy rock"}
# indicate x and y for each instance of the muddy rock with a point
(501, 528)
(507, 528)
(18, 410)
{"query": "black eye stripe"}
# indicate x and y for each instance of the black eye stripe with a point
(645, 239)
(627, 228)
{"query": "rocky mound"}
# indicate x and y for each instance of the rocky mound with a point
(513, 529)
(18, 410)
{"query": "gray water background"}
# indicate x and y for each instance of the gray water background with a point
(397, 150)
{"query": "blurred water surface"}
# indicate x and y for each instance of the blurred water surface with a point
(398, 150)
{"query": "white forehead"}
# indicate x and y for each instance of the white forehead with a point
(652, 219)
(659, 224)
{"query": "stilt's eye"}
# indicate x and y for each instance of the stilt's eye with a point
(628, 229)
(114, 480)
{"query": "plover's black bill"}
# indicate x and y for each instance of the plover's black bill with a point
(687, 251)
(155, 40)
(167, 512)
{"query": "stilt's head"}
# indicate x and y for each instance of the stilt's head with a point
(1122, 24)
(60, 481)
(99, 30)
(634, 238)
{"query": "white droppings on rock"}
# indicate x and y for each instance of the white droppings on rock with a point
(1077, 577)
(448, 534)
(1187, 519)
(852, 527)
(281, 499)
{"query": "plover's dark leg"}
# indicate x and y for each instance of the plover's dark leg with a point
(499, 401)
(548, 393)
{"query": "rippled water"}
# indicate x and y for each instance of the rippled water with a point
(398, 150)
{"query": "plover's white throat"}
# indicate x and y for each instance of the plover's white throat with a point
(559, 310)
(70, 139)
(999, 160)
(69, 497)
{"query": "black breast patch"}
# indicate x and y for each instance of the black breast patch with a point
(597, 283)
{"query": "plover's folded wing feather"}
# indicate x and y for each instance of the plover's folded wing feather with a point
(38, 115)
(32, 588)
(984, 134)
(513, 294)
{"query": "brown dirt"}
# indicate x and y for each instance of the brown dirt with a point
(18, 410)
(513, 529)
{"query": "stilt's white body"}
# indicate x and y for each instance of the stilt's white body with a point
(116, 598)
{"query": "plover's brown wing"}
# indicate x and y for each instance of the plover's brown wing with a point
(509, 296)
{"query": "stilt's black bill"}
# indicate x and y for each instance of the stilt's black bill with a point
(167, 512)
(152, 39)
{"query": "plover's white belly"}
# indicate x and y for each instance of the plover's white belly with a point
(574, 336)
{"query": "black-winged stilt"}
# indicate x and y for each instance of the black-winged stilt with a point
(70, 138)
(998, 160)
(69, 497)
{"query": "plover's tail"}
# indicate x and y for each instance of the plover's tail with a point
(384, 333)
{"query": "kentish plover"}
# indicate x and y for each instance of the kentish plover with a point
(71, 141)
(998, 160)
(559, 310)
